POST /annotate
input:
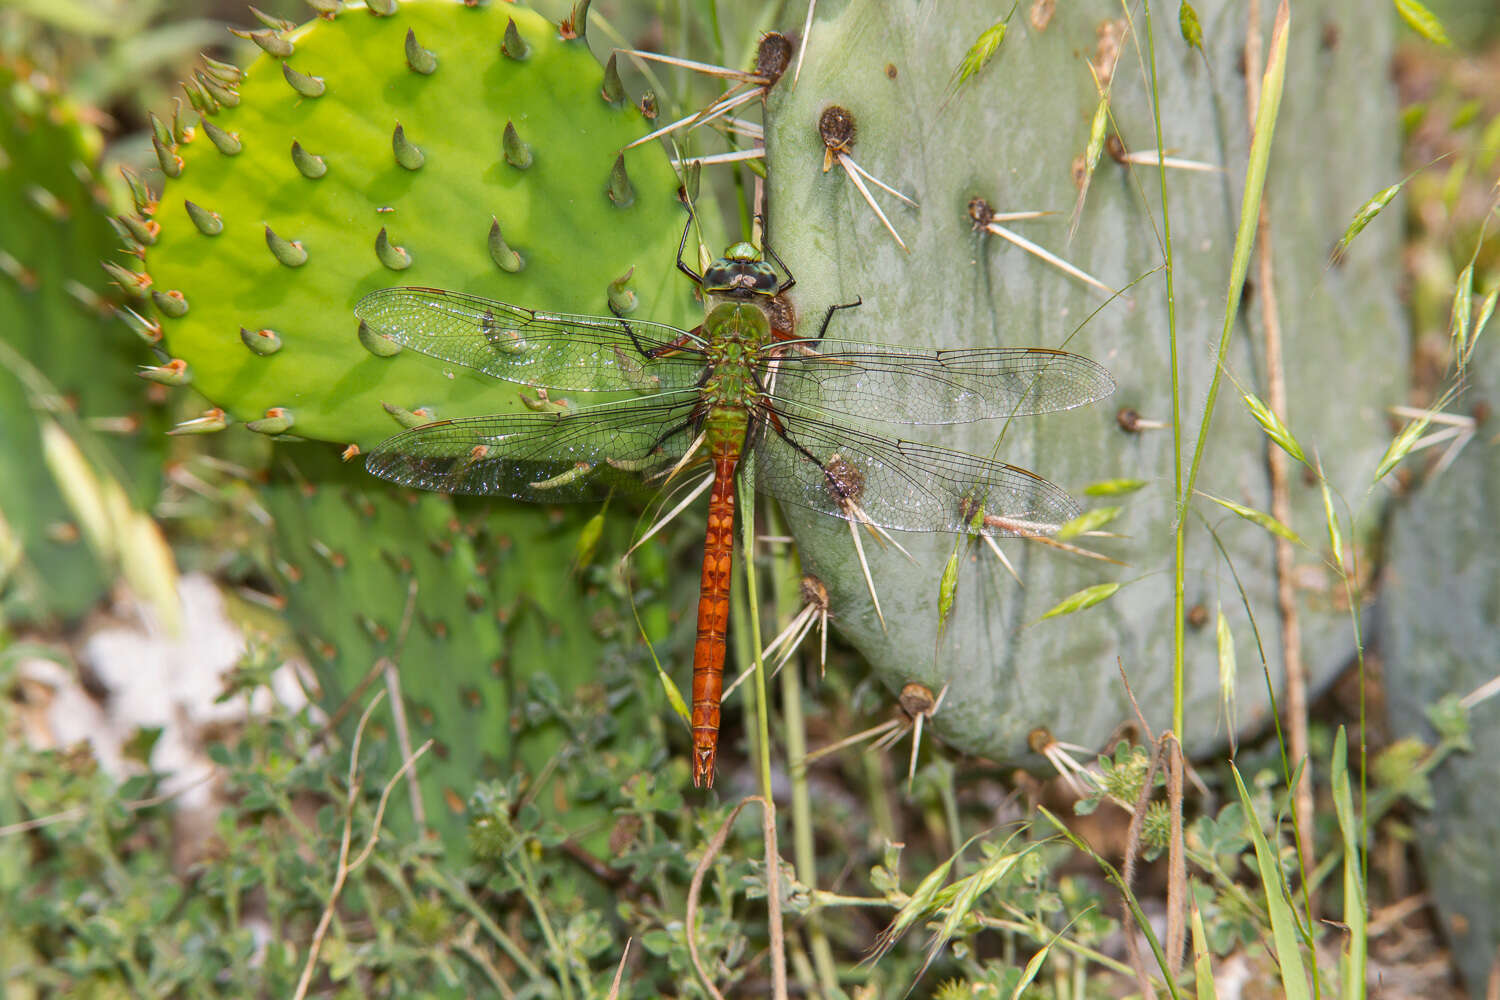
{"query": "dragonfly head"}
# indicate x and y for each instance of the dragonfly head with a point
(740, 274)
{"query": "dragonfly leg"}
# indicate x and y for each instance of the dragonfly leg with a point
(687, 339)
(791, 280)
(691, 338)
(697, 278)
(667, 435)
(761, 219)
(837, 483)
(828, 316)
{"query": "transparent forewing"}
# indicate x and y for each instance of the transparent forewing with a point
(543, 457)
(550, 350)
(904, 485)
(930, 386)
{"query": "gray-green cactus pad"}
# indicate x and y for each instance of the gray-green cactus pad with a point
(1010, 135)
(1439, 633)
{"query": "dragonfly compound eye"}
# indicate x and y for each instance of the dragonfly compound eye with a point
(760, 277)
(740, 273)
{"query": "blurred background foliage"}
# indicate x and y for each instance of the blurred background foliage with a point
(148, 863)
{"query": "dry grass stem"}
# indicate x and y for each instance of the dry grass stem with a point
(345, 865)
(1276, 461)
(777, 933)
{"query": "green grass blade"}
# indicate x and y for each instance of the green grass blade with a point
(674, 694)
(1400, 445)
(967, 891)
(1113, 487)
(922, 899)
(1363, 216)
(1118, 881)
(1255, 182)
(746, 486)
(1188, 24)
(1335, 536)
(948, 587)
(1081, 599)
(1244, 239)
(1228, 667)
(1274, 428)
(1423, 21)
(1033, 967)
(1203, 966)
(1259, 517)
(1486, 310)
(1284, 928)
(1355, 915)
(1089, 520)
(1462, 311)
(980, 53)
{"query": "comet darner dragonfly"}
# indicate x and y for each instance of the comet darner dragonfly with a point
(730, 387)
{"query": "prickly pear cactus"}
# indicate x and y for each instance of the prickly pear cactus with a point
(68, 361)
(441, 144)
(1438, 633)
(1010, 135)
(503, 672)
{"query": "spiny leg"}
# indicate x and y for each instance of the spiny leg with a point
(828, 316)
(697, 278)
(769, 416)
(690, 338)
(765, 243)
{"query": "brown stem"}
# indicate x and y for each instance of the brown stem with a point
(1295, 706)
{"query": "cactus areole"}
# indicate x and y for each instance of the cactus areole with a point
(737, 385)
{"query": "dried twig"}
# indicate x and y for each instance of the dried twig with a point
(1281, 501)
(345, 865)
(79, 812)
(1127, 869)
(773, 897)
(398, 707)
(614, 987)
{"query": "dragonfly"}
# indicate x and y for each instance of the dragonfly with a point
(740, 389)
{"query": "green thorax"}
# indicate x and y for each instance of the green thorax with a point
(734, 333)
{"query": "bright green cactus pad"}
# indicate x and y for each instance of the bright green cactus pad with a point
(397, 173)
(55, 300)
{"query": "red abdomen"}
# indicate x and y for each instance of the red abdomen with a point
(713, 619)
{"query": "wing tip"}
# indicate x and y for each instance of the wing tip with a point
(1091, 382)
(1105, 382)
(364, 308)
(1067, 506)
(377, 464)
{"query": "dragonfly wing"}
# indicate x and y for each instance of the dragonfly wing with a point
(544, 457)
(930, 386)
(904, 485)
(552, 350)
